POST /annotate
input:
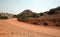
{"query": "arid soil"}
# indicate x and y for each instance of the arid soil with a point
(13, 28)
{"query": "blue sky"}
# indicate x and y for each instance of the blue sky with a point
(17, 6)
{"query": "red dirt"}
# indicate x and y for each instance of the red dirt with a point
(13, 28)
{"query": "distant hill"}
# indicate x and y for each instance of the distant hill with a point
(51, 17)
(5, 15)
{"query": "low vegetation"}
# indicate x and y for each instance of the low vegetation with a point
(3, 17)
(45, 24)
(47, 18)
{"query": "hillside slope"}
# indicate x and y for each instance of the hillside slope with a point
(13, 28)
(48, 18)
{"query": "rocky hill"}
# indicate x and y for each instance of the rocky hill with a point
(48, 18)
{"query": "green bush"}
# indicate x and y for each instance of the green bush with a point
(3, 17)
(45, 24)
(52, 11)
(22, 18)
(15, 16)
(58, 8)
(34, 15)
(41, 14)
(57, 25)
(35, 22)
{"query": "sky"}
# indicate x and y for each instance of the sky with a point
(17, 6)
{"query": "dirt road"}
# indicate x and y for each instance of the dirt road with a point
(13, 28)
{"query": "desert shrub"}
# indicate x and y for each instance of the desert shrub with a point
(58, 8)
(35, 22)
(58, 25)
(45, 24)
(15, 16)
(53, 20)
(51, 11)
(34, 15)
(26, 14)
(3, 17)
(22, 18)
(19, 15)
(41, 14)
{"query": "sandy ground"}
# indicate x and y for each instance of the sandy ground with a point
(13, 28)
